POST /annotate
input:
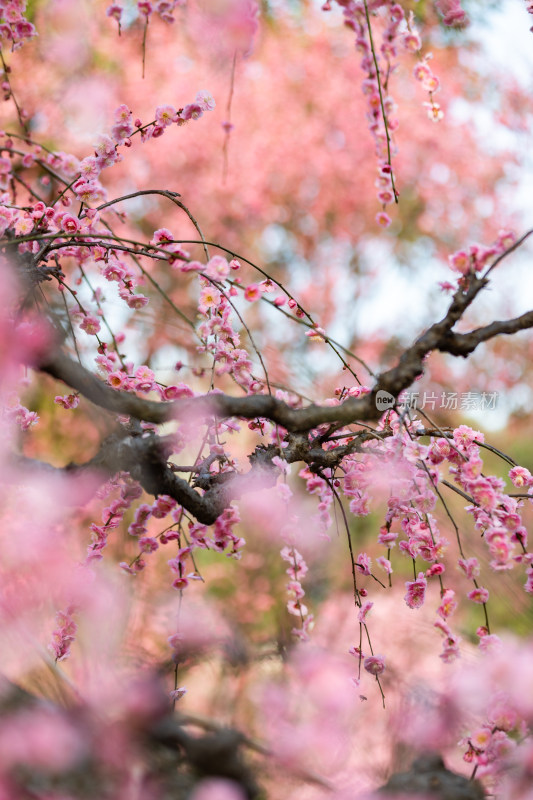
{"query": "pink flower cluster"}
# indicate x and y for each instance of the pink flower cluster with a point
(217, 332)
(112, 514)
(315, 484)
(123, 375)
(88, 188)
(296, 571)
(223, 539)
(430, 83)
(165, 9)
(476, 257)
(14, 27)
(64, 634)
(452, 13)
(381, 108)
(22, 416)
(413, 474)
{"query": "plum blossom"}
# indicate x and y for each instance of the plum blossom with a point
(90, 324)
(452, 12)
(363, 564)
(165, 115)
(416, 591)
(205, 99)
(374, 664)
(252, 292)
(478, 595)
(70, 223)
(365, 610)
(520, 477)
(68, 400)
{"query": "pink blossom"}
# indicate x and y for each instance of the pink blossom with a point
(460, 262)
(490, 643)
(105, 145)
(316, 334)
(122, 113)
(181, 582)
(296, 608)
(165, 115)
(282, 465)
(450, 649)
(68, 400)
(162, 506)
(137, 301)
(374, 664)
(192, 111)
(452, 12)
(434, 111)
(115, 11)
(478, 595)
(6, 218)
(484, 494)
(448, 604)
(520, 477)
(122, 130)
(411, 41)
(217, 268)
(90, 324)
(64, 635)
(385, 564)
(145, 379)
(162, 236)
(387, 537)
(364, 610)
(470, 567)
(464, 437)
(23, 225)
(147, 544)
(117, 379)
(114, 271)
(88, 167)
(210, 297)
(252, 292)
(205, 99)
(23, 30)
(70, 223)
(383, 219)
(89, 192)
(145, 7)
(416, 591)
(363, 564)
(5, 166)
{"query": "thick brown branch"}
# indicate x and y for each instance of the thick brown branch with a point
(462, 344)
(411, 363)
(63, 368)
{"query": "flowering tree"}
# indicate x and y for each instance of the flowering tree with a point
(179, 334)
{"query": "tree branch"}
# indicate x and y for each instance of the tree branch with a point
(146, 456)
(462, 344)
(363, 408)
